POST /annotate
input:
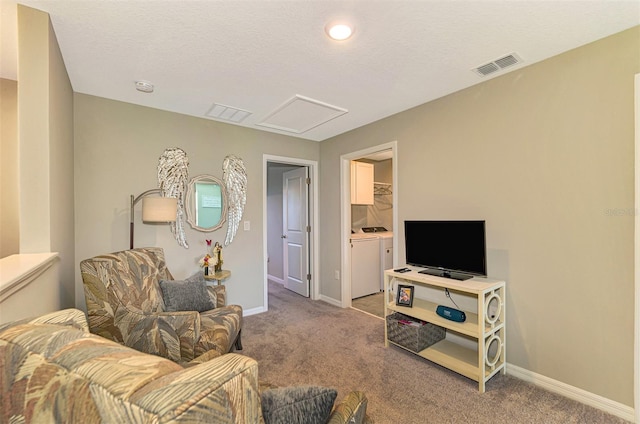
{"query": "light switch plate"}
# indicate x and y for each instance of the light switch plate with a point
(247, 225)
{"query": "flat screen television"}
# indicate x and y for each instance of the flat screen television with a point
(452, 249)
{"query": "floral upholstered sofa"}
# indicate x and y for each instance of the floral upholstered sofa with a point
(52, 370)
(133, 299)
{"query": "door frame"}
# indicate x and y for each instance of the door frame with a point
(345, 211)
(636, 343)
(314, 255)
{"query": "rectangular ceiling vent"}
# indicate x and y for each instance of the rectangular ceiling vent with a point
(227, 113)
(498, 64)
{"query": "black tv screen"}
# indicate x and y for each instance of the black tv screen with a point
(447, 247)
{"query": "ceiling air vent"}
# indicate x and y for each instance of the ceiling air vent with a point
(227, 113)
(487, 69)
(498, 64)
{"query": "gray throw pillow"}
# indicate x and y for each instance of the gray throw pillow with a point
(185, 296)
(297, 405)
(198, 276)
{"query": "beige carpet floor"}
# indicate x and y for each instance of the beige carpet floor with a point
(300, 341)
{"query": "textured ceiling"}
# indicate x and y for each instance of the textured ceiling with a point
(258, 55)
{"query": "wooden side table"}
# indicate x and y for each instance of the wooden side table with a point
(218, 276)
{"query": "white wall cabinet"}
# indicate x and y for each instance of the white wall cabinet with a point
(361, 183)
(484, 327)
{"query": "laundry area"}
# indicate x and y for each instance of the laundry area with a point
(371, 230)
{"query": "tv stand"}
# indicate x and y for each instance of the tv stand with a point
(446, 274)
(474, 348)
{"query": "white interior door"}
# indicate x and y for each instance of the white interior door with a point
(295, 225)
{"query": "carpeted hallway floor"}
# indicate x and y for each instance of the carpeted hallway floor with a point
(372, 304)
(300, 341)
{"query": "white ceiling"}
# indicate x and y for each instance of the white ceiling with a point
(258, 56)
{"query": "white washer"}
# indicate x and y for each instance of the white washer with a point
(365, 264)
(386, 249)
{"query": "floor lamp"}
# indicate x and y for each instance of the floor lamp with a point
(154, 209)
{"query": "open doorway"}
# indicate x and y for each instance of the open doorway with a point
(289, 204)
(368, 224)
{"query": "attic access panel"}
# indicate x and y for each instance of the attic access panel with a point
(300, 114)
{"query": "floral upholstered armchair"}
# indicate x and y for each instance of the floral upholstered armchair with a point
(132, 298)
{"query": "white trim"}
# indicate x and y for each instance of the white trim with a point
(596, 401)
(636, 343)
(20, 270)
(314, 245)
(275, 279)
(345, 212)
(253, 311)
(330, 301)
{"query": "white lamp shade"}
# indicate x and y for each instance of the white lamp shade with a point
(159, 209)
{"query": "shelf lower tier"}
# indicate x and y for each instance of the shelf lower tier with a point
(426, 311)
(455, 357)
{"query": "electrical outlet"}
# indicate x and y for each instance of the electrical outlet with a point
(247, 225)
(336, 274)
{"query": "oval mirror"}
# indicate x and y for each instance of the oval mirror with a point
(206, 203)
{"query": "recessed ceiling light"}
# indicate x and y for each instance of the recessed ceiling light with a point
(339, 31)
(144, 86)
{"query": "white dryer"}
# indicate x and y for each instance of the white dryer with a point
(365, 264)
(386, 249)
(386, 254)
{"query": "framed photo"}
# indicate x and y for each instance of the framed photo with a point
(405, 296)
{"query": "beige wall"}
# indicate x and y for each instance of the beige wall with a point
(33, 124)
(61, 173)
(545, 155)
(116, 155)
(45, 122)
(9, 220)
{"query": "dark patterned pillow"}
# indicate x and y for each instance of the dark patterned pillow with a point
(185, 296)
(297, 405)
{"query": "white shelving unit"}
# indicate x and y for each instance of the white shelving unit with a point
(485, 325)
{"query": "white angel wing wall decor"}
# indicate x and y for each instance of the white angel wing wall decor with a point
(234, 176)
(173, 177)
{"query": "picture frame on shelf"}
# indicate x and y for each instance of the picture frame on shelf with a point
(404, 296)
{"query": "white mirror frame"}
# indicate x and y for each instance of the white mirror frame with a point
(190, 202)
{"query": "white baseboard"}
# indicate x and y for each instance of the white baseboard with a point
(596, 401)
(331, 301)
(253, 311)
(275, 279)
